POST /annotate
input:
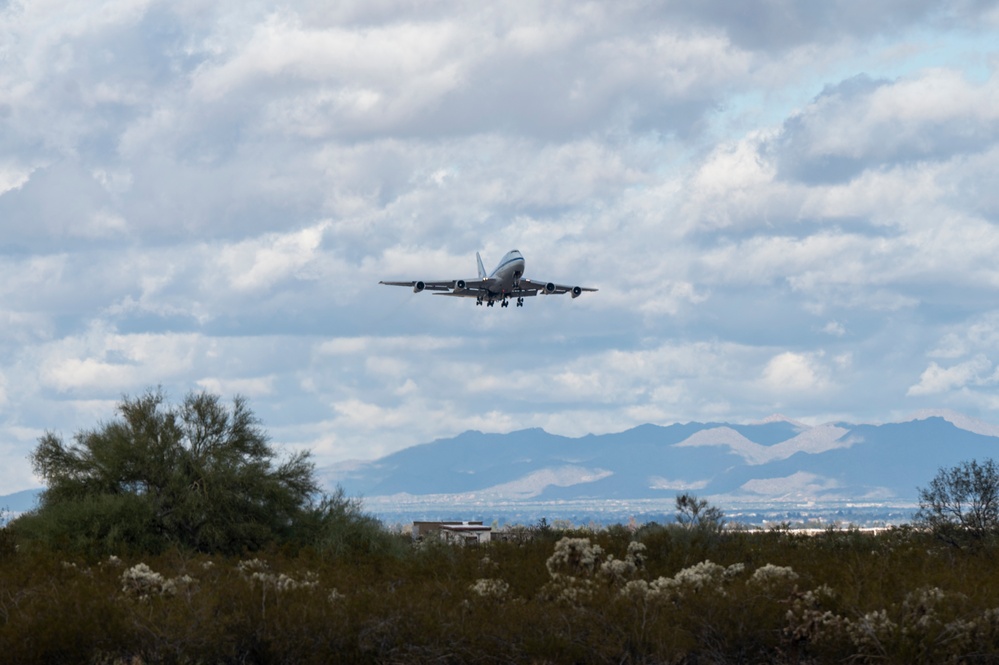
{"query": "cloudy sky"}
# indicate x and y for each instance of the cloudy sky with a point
(787, 207)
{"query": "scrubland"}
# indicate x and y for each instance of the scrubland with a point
(657, 594)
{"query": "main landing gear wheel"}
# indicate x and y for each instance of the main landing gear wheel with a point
(520, 302)
(506, 303)
(490, 303)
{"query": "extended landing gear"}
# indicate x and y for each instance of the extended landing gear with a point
(505, 302)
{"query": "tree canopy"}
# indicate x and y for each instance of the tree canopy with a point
(961, 504)
(200, 475)
(695, 513)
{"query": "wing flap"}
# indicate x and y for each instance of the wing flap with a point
(470, 288)
(556, 289)
(427, 286)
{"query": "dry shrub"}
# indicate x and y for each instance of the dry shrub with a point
(597, 597)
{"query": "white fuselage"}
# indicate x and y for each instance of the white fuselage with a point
(507, 274)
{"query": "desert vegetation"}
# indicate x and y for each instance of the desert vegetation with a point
(154, 573)
(653, 595)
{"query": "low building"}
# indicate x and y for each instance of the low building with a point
(462, 533)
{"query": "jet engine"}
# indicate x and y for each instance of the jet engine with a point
(576, 291)
(460, 284)
(419, 286)
(549, 288)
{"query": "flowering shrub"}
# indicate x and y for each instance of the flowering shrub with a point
(250, 566)
(574, 557)
(704, 577)
(773, 578)
(618, 571)
(871, 633)
(490, 588)
(569, 590)
(282, 582)
(636, 553)
(809, 621)
(140, 581)
(560, 599)
(928, 624)
(258, 572)
(920, 606)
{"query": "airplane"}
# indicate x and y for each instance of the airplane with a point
(505, 282)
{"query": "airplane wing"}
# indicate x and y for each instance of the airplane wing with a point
(418, 285)
(550, 288)
(463, 288)
(491, 288)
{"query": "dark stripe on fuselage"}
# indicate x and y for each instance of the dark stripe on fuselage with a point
(507, 287)
(506, 263)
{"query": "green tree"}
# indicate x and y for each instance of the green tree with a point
(694, 513)
(961, 504)
(200, 475)
(337, 528)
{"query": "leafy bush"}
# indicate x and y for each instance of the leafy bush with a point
(200, 475)
(336, 527)
(694, 513)
(961, 504)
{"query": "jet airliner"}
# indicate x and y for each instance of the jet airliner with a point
(505, 282)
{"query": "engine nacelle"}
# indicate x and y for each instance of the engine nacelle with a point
(549, 288)
(460, 284)
(419, 286)
(576, 291)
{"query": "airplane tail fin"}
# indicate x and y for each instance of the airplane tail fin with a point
(482, 271)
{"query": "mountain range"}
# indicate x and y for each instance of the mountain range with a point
(775, 460)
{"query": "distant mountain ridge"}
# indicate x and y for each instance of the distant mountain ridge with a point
(12, 505)
(773, 460)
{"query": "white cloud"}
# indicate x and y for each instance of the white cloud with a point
(13, 176)
(792, 373)
(254, 387)
(255, 265)
(734, 186)
(103, 223)
(834, 328)
(107, 362)
(205, 196)
(936, 379)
